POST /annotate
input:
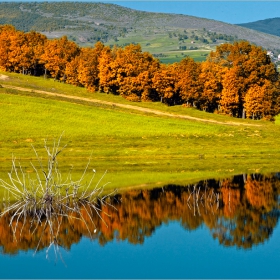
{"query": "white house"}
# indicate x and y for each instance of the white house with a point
(270, 53)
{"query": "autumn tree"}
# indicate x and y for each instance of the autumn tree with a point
(34, 48)
(164, 82)
(72, 71)
(7, 34)
(128, 72)
(19, 51)
(88, 66)
(107, 73)
(237, 79)
(57, 54)
(231, 94)
(26, 50)
(211, 78)
(262, 101)
(188, 84)
(83, 70)
(248, 66)
(131, 63)
(16, 50)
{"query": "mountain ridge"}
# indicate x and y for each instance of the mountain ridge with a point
(86, 23)
(269, 26)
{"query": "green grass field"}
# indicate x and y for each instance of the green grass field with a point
(157, 42)
(136, 149)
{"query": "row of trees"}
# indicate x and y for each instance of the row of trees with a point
(237, 79)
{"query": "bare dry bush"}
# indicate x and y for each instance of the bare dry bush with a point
(47, 197)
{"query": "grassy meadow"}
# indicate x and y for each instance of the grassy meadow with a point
(167, 48)
(136, 148)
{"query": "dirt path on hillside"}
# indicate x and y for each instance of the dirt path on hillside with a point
(3, 77)
(132, 107)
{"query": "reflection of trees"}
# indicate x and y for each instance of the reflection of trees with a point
(260, 192)
(246, 229)
(241, 211)
(254, 212)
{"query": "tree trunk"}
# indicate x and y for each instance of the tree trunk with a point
(243, 114)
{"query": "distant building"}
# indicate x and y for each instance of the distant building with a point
(270, 53)
(279, 57)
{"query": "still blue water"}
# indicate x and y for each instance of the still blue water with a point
(170, 251)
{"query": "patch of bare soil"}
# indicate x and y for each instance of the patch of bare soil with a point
(3, 77)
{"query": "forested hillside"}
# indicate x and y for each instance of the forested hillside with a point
(270, 26)
(158, 33)
(237, 79)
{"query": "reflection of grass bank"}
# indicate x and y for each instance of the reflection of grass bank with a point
(136, 148)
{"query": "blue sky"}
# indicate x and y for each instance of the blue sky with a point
(227, 11)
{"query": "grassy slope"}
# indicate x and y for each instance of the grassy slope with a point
(134, 147)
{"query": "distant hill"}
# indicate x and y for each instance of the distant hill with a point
(270, 26)
(158, 33)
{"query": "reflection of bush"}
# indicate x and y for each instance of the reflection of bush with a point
(65, 230)
(42, 208)
(239, 212)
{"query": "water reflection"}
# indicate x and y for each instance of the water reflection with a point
(241, 211)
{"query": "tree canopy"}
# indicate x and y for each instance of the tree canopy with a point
(237, 79)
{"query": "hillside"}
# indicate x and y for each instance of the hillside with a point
(168, 36)
(123, 140)
(270, 26)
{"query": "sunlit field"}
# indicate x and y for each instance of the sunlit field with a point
(134, 147)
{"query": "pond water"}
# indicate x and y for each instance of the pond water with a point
(212, 229)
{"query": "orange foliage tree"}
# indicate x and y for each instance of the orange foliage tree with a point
(188, 84)
(34, 47)
(248, 66)
(164, 82)
(128, 72)
(230, 99)
(262, 101)
(8, 34)
(107, 71)
(57, 54)
(83, 70)
(19, 51)
(237, 79)
(211, 78)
